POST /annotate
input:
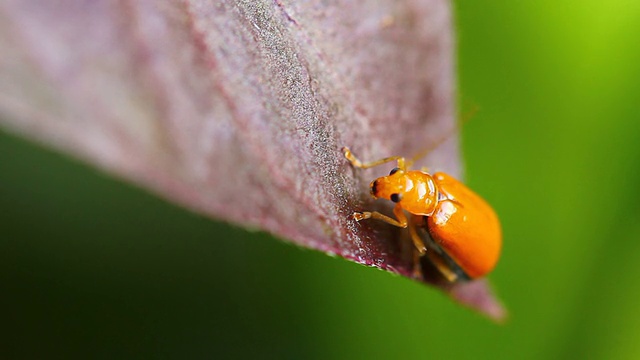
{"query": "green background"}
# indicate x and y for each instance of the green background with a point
(91, 266)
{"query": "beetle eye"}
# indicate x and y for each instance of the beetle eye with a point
(394, 170)
(396, 197)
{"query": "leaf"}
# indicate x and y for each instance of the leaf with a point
(239, 109)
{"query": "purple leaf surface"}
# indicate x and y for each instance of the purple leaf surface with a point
(239, 109)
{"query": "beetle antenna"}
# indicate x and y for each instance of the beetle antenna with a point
(465, 119)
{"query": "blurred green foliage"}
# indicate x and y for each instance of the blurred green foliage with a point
(90, 266)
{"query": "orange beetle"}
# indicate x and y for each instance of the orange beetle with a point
(465, 235)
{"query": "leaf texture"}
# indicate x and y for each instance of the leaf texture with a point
(239, 109)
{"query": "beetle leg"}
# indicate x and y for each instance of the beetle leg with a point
(418, 252)
(358, 216)
(437, 261)
(359, 164)
(417, 241)
(397, 211)
(417, 268)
